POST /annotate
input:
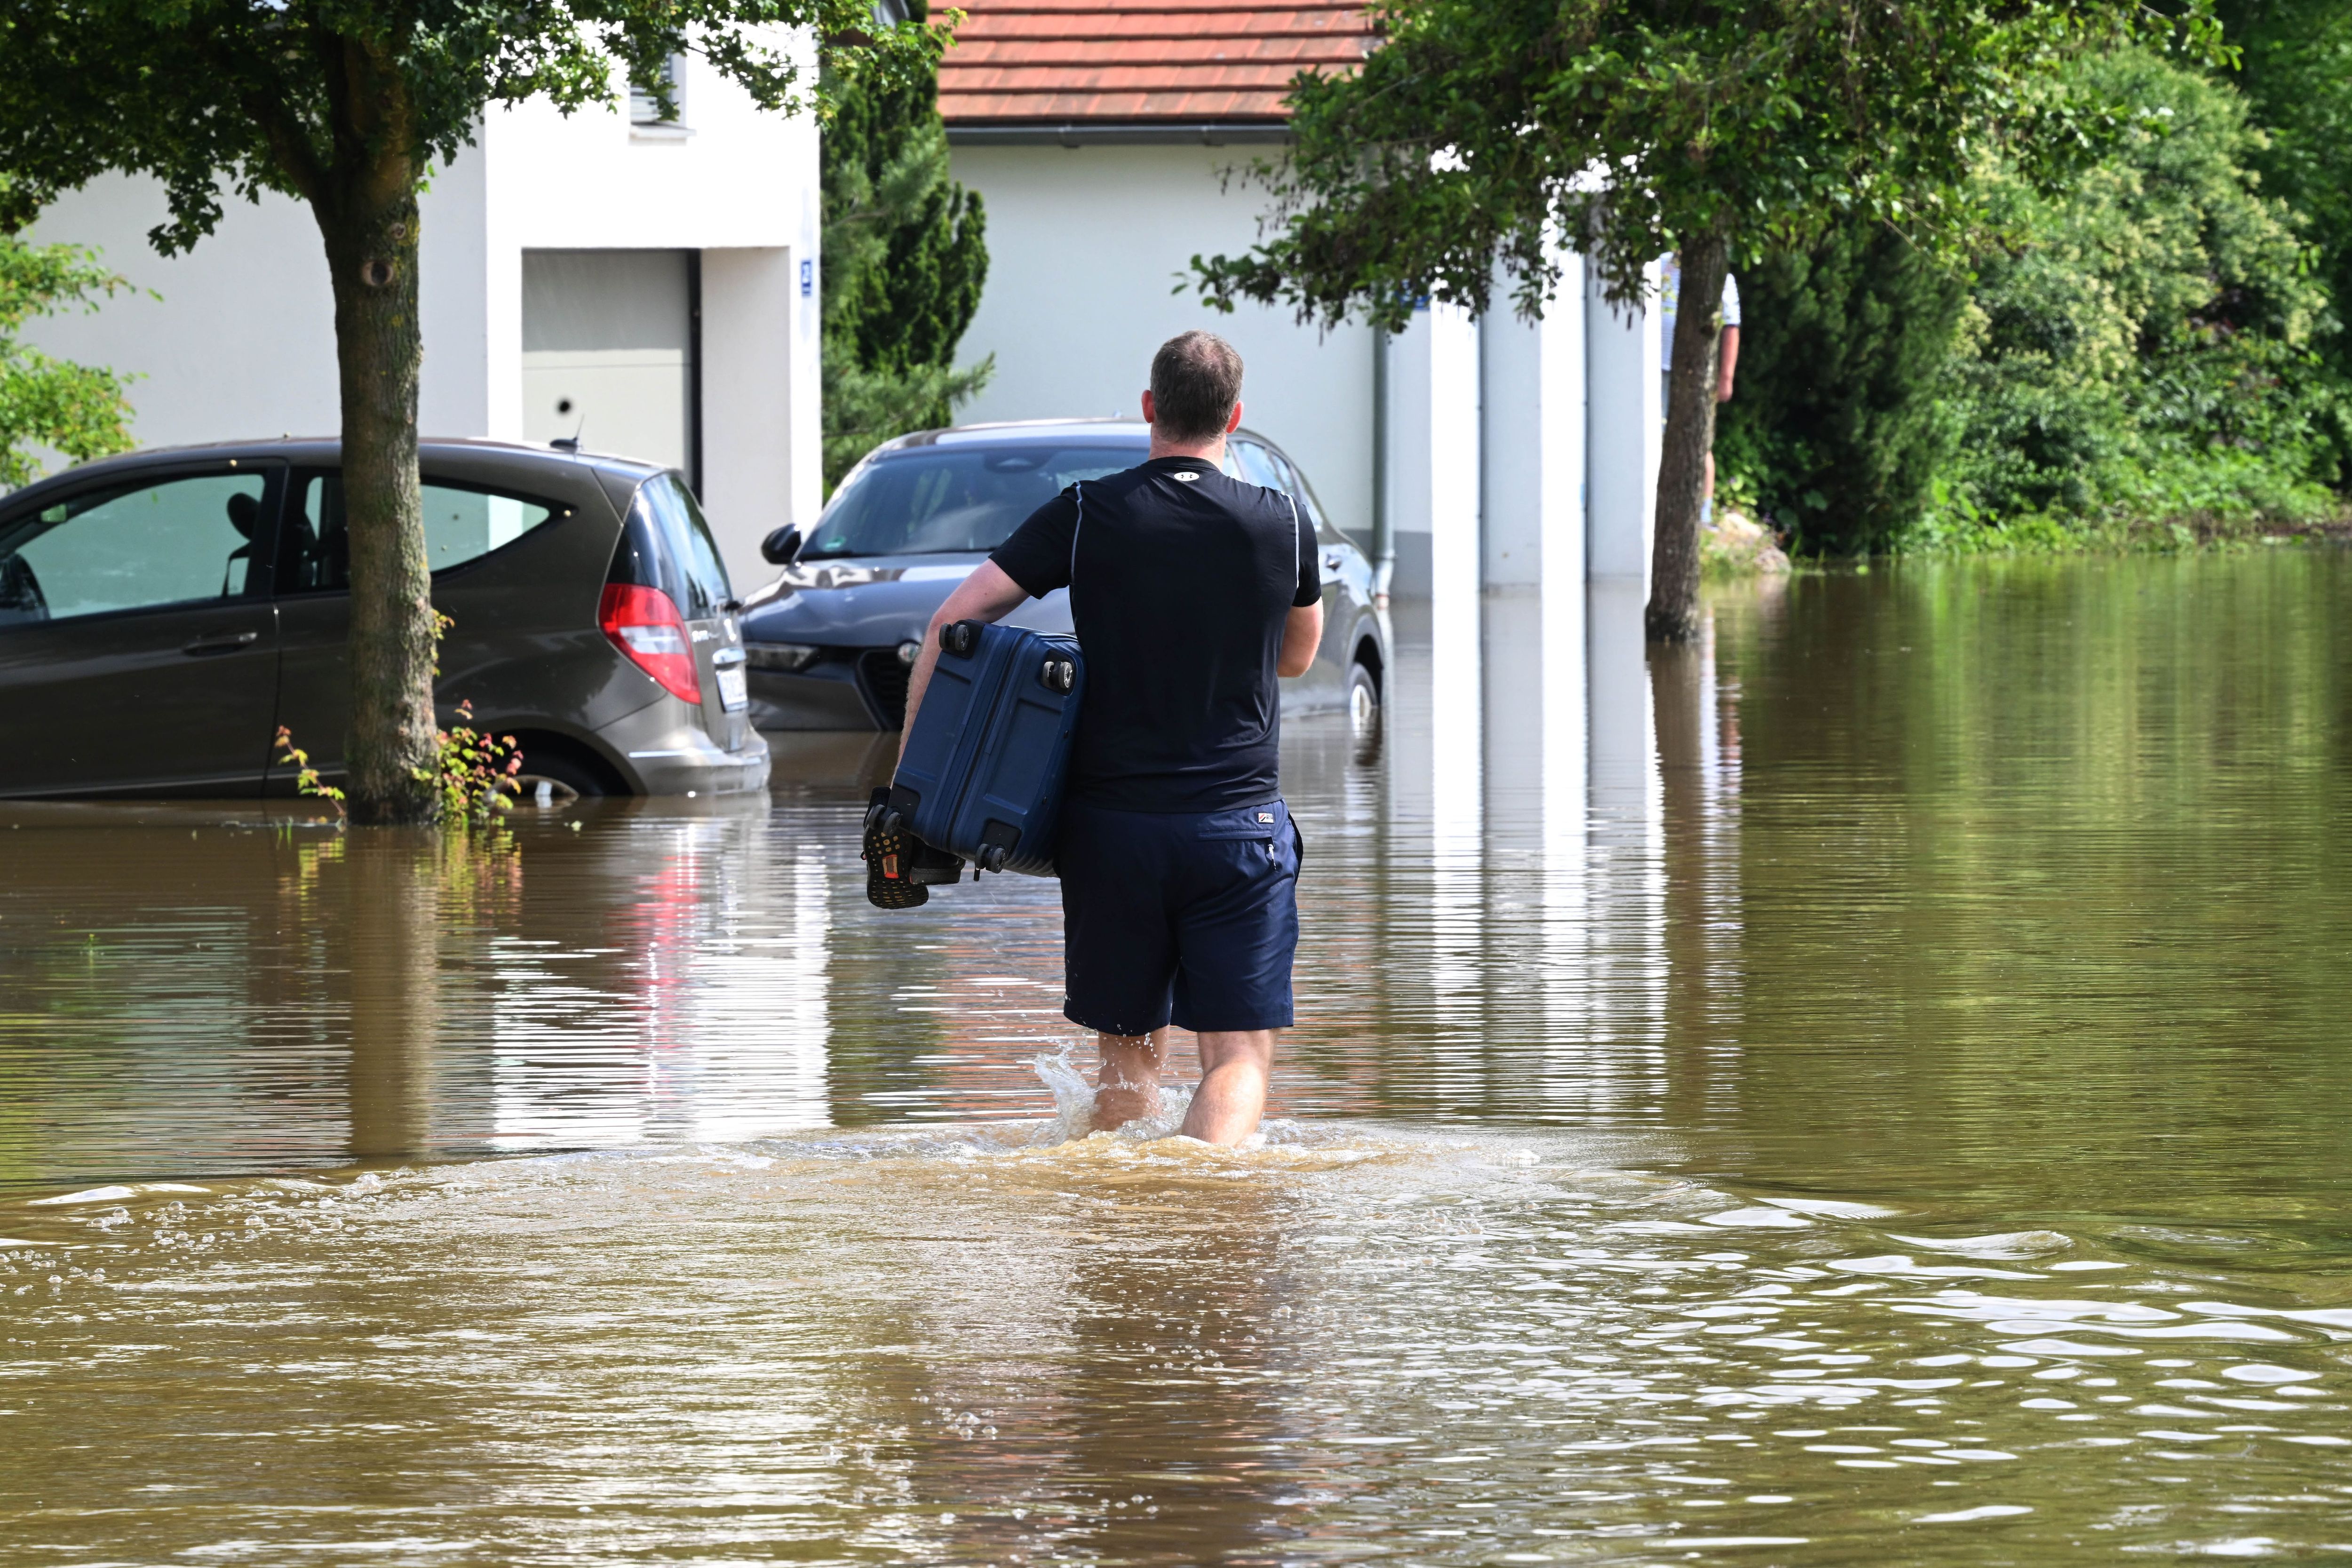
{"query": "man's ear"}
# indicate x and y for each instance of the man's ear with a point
(1234, 423)
(1148, 416)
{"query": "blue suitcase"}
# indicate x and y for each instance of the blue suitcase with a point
(982, 776)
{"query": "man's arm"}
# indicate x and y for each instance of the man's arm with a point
(988, 595)
(1302, 634)
(1725, 363)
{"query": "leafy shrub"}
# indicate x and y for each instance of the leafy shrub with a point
(474, 774)
(1834, 420)
(2297, 77)
(2141, 353)
(76, 409)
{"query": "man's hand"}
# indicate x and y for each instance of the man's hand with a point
(1302, 634)
(988, 595)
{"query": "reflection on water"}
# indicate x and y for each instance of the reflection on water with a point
(1870, 1087)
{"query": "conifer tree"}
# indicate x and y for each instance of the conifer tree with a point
(1837, 423)
(904, 258)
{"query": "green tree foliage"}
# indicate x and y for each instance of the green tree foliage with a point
(1482, 131)
(76, 409)
(345, 104)
(2140, 352)
(905, 255)
(1837, 423)
(2297, 72)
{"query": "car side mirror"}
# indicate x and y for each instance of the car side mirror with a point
(782, 547)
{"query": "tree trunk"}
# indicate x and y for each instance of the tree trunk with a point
(1673, 614)
(369, 228)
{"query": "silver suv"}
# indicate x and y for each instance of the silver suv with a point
(162, 614)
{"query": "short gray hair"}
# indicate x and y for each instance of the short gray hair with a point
(1196, 379)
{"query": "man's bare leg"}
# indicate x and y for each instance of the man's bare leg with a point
(1232, 1097)
(1128, 1085)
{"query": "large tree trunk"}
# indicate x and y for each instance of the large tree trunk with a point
(1673, 614)
(370, 227)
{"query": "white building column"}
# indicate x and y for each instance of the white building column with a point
(1625, 436)
(749, 301)
(1434, 489)
(1534, 437)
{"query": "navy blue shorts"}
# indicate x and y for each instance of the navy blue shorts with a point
(1184, 918)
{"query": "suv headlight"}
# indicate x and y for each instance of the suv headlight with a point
(785, 655)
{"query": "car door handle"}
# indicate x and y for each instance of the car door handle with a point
(225, 642)
(1331, 562)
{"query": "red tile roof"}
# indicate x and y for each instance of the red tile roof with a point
(1138, 61)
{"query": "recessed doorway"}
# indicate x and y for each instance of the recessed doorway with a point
(610, 353)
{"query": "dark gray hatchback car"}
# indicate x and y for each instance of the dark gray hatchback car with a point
(830, 642)
(162, 614)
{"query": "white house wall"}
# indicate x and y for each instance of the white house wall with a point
(1087, 249)
(1533, 437)
(235, 338)
(241, 342)
(1624, 436)
(735, 183)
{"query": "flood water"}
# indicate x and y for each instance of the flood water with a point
(1892, 1104)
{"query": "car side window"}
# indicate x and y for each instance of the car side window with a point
(1295, 481)
(461, 524)
(133, 546)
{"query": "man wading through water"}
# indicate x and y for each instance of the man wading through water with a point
(1189, 592)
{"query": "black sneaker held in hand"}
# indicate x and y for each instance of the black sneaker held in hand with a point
(900, 868)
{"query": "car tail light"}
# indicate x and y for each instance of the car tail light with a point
(644, 623)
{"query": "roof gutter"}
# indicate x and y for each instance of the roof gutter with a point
(1102, 134)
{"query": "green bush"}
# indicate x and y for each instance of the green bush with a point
(2140, 354)
(1834, 420)
(2297, 76)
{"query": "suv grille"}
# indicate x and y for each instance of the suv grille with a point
(882, 681)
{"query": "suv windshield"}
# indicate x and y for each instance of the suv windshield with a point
(938, 499)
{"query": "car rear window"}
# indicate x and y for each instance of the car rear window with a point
(462, 524)
(667, 545)
(945, 499)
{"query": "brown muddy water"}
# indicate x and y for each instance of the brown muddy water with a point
(1891, 1109)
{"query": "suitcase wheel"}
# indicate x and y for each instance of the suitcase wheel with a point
(961, 638)
(1060, 675)
(993, 857)
(892, 822)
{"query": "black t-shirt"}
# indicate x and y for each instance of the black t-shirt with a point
(1179, 581)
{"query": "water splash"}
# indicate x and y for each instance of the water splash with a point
(1074, 1104)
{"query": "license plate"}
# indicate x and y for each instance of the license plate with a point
(732, 695)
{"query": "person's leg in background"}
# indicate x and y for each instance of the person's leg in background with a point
(1727, 363)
